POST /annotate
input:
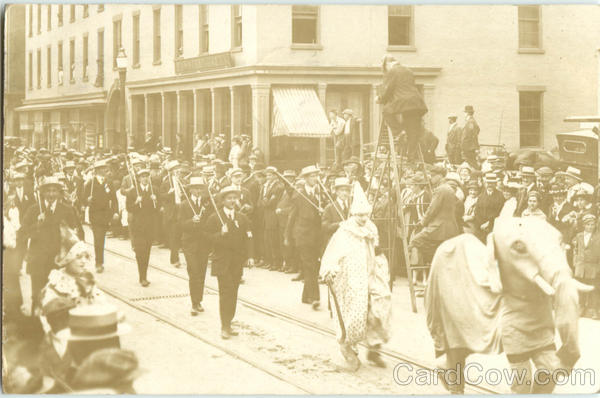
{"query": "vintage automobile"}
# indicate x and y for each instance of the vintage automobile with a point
(580, 148)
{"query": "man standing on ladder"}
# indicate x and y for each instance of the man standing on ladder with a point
(403, 104)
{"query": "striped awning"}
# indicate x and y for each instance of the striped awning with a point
(297, 112)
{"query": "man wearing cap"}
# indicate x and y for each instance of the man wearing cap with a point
(453, 140)
(403, 103)
(192, 215)
(488, 207)
(171, 196)
(337, 211)
(439, 222)
(269, 197)
(470, 138)
(232, 248)
(102, 203)
(529, 183)
(41, 227)
(143, 207)
(304, 227)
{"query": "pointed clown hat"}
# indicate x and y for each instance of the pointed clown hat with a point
(360, 204)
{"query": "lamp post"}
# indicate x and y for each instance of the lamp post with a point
(122, 68)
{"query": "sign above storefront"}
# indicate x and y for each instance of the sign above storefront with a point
(204, 63)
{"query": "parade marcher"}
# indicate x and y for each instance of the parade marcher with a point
(12, 260)
(304, 226)
(171, 193)
(533, 206)
(470, 138)
(359, 278)
(142, 205)
(73, 185)
(403, 104)
(22, 200)
(192, 216)
(269, 197)
(41, 226)
(284, 207)
(232, 248)
(586, 248)
(488, 207)
(336, 211)
(102, 203)
(453, 140)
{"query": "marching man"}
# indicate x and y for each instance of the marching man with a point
(358, 279)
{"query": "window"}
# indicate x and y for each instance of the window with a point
(72, 16)
(39, 68)
(100, 7)
(305, 21)
(136, 39)
(100, 59)
(30, 30)
(203, 20)
(400, 25)
(236, 26)
(156, 35)
(60, 63)
(49, 66)
(85, 57)
(72, 61)
(86, 10)
(178, 30)
(30, 70)
(117, 44)
(530, 118)
(49, 17)
(59, 15)
(39, 19)
(529, 27)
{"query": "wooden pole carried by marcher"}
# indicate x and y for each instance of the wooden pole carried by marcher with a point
(339, 313)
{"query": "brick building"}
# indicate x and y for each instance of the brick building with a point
(197, 69)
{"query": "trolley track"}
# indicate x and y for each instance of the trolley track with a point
(306, 324)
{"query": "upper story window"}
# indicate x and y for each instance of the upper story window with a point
(203, 23)
(305, 24)
(117, 43)
(400, 25)
(39, 68)
(30, 70)
(530, 118)
(86, 10)
(136, 39)
(72, 61)
(49, 66)
(156, 41)
(100, 59)
(59, 58)
(236, 26)
(49, 17)
(178, 30)
(72, 16)
(530, 28)
(59, 15)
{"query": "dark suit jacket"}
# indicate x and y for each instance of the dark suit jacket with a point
(194, 234)
(330, 221)
(487, 208)
(429, 143)
(232, 249)
(304, 223)
(167, 200)
(103, 204)
(557, 219)
(440, 218)
(454, 140)
(143, 216)
(399, 93)
(470, 134)
(44, 237)
(24, 204)
(268, 202)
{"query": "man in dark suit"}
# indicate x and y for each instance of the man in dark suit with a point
(439, 222)
(232, 247)
(171, 196)
(528, 182)
(337, 211)
(453, 141)
(428, 143)
(269, 197)
(144, 209)
(304, 225)
(470, 138)
(103, 208)
(23, 199)
(73, 185)
(284, 207)
(192, 216)
(488, 207)
(41, 227)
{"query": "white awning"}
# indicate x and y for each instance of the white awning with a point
(297, 112)
(61, 105)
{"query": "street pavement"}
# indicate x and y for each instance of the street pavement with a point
(301, 359)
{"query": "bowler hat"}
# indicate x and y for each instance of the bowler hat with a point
(469, 109)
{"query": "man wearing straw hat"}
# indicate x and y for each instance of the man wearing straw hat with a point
(142, 204)
(232, 248)
(336, 211)
(41, 226)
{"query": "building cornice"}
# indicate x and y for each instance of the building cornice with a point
(66, 98)
(278, 70)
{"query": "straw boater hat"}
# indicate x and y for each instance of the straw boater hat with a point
(100, 164)
(172, 165)
(360, 204)
(289, 173)
(309, 170)
(348, 112)
(271, 170)
(236, 170)
(527, 171)
(571, 172)
(557, 189)
(51, 181)
(196, 182)
(491, 178)
(589, 218)
(544, 171)
(229, 190)
(342, 182)
(69, 164)
(95, 322)
(143, 171)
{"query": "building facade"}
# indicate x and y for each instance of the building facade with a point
(14, 59)
(245, 69)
